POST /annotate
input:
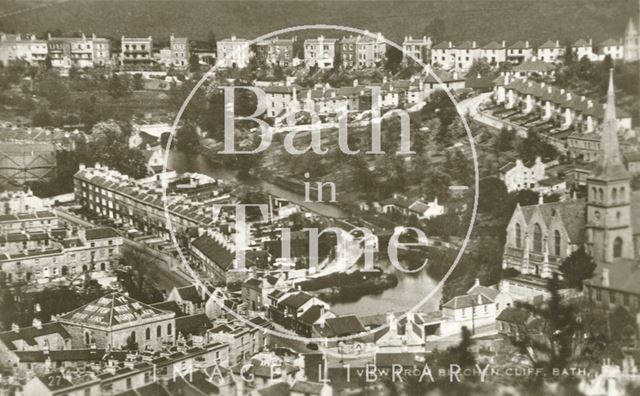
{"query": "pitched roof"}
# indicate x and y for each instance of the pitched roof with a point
(29, 334)
(170, 306)
(550, 44)
(467, 300)
(493, 45)
(214, 251)
(624, 276)
(193, 324)
(519, 45)
(111, 310)
(190, 293)
(311, 315)
(610, 43)
(443, 45)
(572, 213)
(514, 315)
(101, 233)
(295, 301)
(343, 326)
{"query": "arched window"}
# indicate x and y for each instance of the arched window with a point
(133, 336)
(147, 334)
(518, 236)
(87, 338)
(557, 242)
(623, 194)
(594, 194)
(614, 195)
(537, 238)
(617, 247)
(601, 195)
(158, 331)
(169, 329)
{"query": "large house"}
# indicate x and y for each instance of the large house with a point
(320, 52)
(518, 176)
(136, 51)
(22, 47)
(115, 321)
(417, 48)
(540, 236)
(233, 52)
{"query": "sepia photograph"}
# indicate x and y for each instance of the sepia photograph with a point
(319, 197)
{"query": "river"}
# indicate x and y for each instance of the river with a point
(409, 291)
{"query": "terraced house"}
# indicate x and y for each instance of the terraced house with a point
(57, 253)
(563, 108)
(113, 195)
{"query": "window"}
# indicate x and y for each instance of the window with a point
(623, 194)
(169, 329)
(158, 331)
(556, 242)
(87, 338)
(617, 247)
(518, 236)
(598, 295)
(601, 195)
(537, 238)
(614, 195)
(612, 297)
(147, 334)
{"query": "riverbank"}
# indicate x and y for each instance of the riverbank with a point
(341, 287)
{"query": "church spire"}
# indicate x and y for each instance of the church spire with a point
(610, 162)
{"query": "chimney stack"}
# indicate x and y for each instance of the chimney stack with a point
(605, 277)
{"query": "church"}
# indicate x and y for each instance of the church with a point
(606, 222)
(632, 38)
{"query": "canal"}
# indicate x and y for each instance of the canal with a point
(409, 291)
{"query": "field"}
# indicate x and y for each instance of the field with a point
(481, 20)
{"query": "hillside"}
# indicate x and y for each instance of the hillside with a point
(464, 19)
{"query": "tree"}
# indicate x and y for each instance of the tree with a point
(187, 138)
(42, 118)
(138, 84)
(393, 58)
(533, 146)
(504, 141)
(578, 267)
(436, 29)
(492, 195)
(479, 67)
(194, 63)
(569, 56)
(119, 86)
(211, 39)
(558, 345)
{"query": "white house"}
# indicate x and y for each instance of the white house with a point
(518, 176)
(480, 305)
(550, 51)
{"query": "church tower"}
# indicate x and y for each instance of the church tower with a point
(632, 38)
(609, 194)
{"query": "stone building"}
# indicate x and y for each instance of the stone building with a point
(116, 321)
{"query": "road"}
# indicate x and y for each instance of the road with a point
(469, 107)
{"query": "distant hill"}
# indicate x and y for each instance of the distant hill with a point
(482, 20)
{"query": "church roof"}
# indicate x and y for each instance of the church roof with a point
(631, 29)
(112, 310)
(610, 165)
(572, 214)
(624, 275)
